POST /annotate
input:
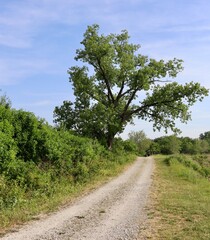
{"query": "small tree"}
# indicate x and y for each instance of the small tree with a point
(5, 101)
(205, 136)
(154, 148)
(194, 146)
(205, 147)
(117, 84)
(187, 145)
(141, 141)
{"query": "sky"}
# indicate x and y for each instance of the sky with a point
(38, 41)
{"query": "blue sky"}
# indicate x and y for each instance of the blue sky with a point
(38, 40)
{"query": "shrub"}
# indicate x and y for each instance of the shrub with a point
(190, 163)
(8, 148)
(30, 136)
(130, 146)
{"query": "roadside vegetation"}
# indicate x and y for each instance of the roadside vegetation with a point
(42, 167)
(180, 198)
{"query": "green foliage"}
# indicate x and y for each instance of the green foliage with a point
(10, 194)
(173, 145)
(187, 145)
(108, 89)
(8, 147)
(29, 136)
(5, 101)
(194, 146)
(193, 163)
(169, 144)
(130, 146)
(38, 162)
(154, 148)
(205, 146)
(142, 142)
(127, 146)
(206, 137)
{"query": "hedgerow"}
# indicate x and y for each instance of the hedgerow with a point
(36, 157)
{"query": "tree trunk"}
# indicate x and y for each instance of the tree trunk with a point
(110, 141)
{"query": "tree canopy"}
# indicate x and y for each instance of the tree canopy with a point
(116, 83)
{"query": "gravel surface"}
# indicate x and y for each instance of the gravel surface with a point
(114, 211)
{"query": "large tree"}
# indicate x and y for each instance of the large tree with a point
(117, 84)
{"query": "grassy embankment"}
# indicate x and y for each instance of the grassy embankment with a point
(181, 198)
(24, 205)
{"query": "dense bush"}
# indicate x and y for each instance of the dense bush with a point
(8, 147)
(168, 144)
(30, 136)
(35, 157)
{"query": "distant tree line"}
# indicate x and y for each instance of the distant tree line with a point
(170, 144)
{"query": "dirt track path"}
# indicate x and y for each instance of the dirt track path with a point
(114, 211)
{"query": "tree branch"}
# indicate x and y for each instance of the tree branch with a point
(106, 81)
(120, 92)
(127, 105)
(142, 108)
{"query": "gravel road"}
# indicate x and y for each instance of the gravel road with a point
(114, 211)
